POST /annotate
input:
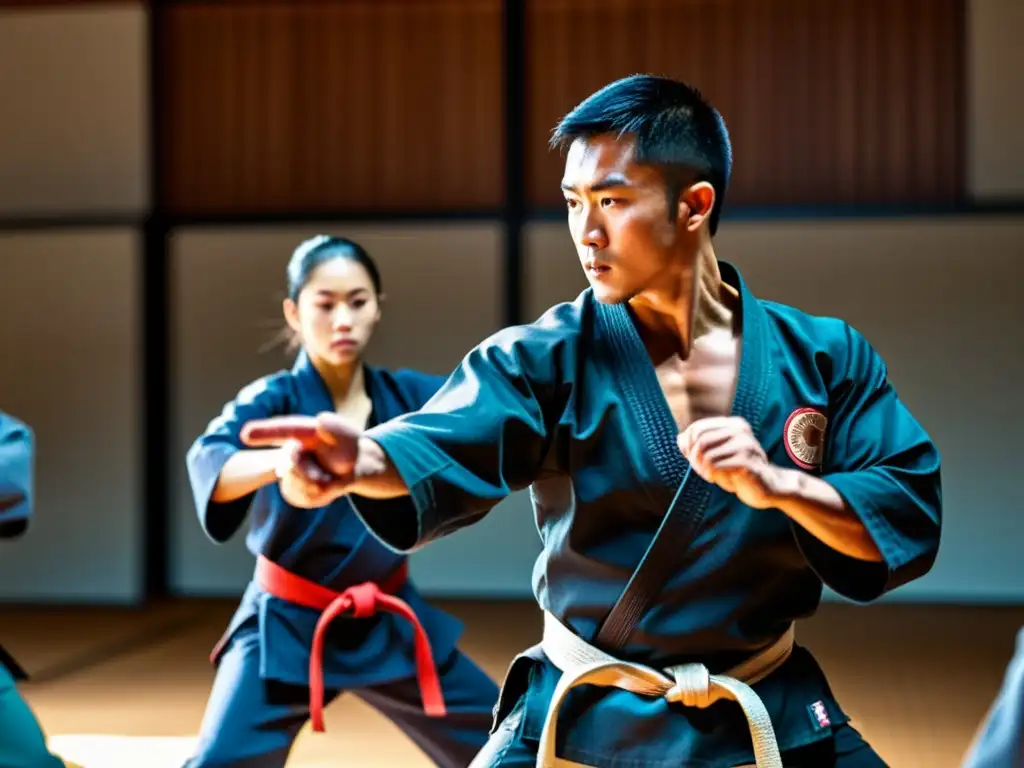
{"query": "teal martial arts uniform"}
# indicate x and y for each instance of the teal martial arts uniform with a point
(571, 406)
(999, 742)
(22, 743)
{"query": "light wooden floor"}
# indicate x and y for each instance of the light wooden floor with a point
(916, 680)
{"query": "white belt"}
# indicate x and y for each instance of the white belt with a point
(688, 684)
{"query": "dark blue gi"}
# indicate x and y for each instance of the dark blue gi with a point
(999, 742)
(259, 700)
(571, 406)
(22, 743)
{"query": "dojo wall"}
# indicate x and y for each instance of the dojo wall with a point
(74, 189)
(995, 106)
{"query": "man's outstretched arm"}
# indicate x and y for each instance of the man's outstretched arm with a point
(423, 475)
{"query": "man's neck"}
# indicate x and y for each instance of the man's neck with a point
(691, 304)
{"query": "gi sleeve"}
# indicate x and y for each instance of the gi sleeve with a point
(999, 743)
(220, 441)
(483, 436)
(17, 454)
(886, 468)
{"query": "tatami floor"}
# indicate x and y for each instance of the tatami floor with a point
(127, 688)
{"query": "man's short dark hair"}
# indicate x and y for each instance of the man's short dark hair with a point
(675, 129)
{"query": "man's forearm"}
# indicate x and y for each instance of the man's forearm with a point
(819, 508)
(375, 476)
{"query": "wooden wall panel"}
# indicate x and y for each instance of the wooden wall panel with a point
(45, 4)
(323, 106)
(827, 102)
(74, 100)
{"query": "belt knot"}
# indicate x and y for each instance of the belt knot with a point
(693, 686)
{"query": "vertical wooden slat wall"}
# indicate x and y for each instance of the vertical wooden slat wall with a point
(372, 105)
(366, 105)
(827, 102)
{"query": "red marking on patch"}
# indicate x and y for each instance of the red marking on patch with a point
(821, 714)
(804, 437)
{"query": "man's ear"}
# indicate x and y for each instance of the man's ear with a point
(695, 205)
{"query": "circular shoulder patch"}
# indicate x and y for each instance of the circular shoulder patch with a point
(805, 437)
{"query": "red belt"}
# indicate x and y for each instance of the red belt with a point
(362, 601)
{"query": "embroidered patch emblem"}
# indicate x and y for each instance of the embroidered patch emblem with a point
(819, 715)
(805, 437)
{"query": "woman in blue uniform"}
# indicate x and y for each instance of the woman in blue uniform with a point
(329, 608)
